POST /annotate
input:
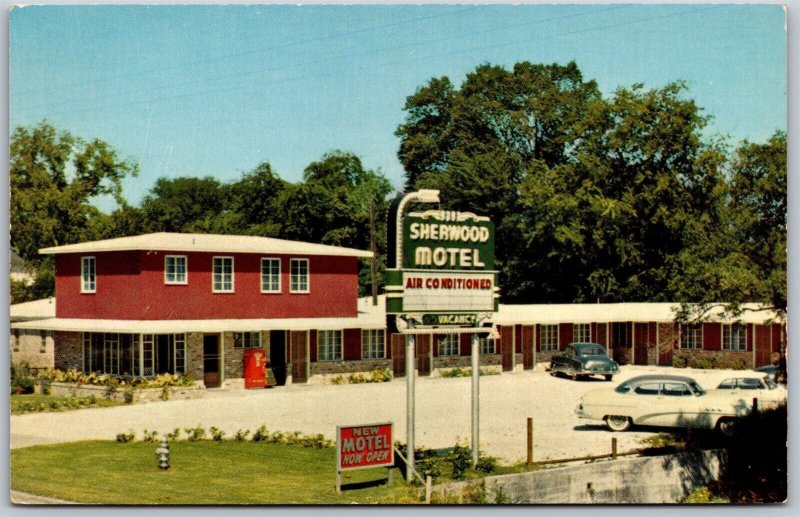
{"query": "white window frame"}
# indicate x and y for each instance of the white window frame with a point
(88, 285)
(327, 351)
(690, 332)
(270, 260)
(448, 345)
(373, 344)
(578, 328)
(222, 278)
(727, 337)
(246, 339)
(545, 337)
(176, 281)
(292, 263)
(487, 345)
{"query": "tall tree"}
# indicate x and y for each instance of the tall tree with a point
(183, 204)
(54, 176)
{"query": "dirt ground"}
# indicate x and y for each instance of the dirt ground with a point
(442, 413)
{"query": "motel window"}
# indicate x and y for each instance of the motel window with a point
(270, 275)
(549, 338)
(372, 344)
(487, 345)
(247, 339)
(448, 344)
(581, 333)
(299, 276)
(329, 345)
(88, 277)
(223, 275)
(734, 337)
(692, 336)
(175, 269)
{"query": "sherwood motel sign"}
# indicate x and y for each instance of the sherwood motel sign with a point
(447, 275)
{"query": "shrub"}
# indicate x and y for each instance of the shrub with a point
(44, 386)
(339, 379)
(173, 436)
(486, 464)
(241, 436)
(128, 394)
(21, 379)
(261, 434)
(217, 434)
(164, 393)
(701, 363)
(461, 460)
(739, 364)
(151, 436)
(678, 361)
(382, 375)
(195, 434)
(125, 437)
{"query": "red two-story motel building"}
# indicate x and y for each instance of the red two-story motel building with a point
(192, 303)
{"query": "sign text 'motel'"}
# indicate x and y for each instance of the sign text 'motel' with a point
(364, 446)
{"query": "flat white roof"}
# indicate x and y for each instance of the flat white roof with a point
(35, 310)
(201, 242)
(40, 315)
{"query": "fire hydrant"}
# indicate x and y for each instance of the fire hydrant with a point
(162, 453)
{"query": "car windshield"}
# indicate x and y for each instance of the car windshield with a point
(770, 383)
(591, 350)
(697, 389)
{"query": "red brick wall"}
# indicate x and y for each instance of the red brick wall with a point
(130, 285)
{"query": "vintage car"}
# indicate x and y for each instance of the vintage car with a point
(774, 372)
(664, 401)
(758, 385)
(583, 359)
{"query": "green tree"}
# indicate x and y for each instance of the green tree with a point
(54, 177)
(183, 204)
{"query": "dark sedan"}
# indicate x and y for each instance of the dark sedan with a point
(582, 360)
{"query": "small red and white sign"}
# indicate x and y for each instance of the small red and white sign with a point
(364, 446)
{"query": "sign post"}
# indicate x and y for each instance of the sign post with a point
(363, 447)
(440, 274)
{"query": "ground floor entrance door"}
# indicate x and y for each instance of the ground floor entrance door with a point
(277, 355)
(211, 361)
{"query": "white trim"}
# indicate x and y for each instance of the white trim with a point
(84, 290)
(209, 243)
(308, 276)
(213, 273)
(261, 275)
(185, 270)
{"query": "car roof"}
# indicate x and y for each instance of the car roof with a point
(584, 345)
(659, 377)
(767, 369)
(746, 374)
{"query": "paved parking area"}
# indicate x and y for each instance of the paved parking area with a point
(442, 413)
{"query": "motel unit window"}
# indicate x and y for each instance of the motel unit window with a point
(223, 274)
(175, 269)
(270, 275)
(448, 344)
(247, 339)
(329, 345)
(692, 335)
(126, 354)
(299, 276)
(581, 333)
(734, 337)
(487, 345)
(88, 277)
(549, 337)
(372, 344)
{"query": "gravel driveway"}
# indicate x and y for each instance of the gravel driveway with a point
(442, 413)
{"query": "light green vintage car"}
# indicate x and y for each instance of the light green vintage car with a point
(663, 401)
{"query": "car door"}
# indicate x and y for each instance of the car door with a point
(644, 409)
(680, 406)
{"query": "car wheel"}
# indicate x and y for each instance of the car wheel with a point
(727, 426)
(618, 423)
(553, 370)
(608, 377)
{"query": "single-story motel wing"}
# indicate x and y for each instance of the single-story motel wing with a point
(194, 303)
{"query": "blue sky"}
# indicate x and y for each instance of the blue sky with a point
(216, 90)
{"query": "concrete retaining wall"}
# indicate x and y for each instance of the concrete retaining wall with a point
(650, 480)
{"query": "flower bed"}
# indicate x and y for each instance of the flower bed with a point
(72, 389)
(126, 389)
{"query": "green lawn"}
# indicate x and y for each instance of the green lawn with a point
(44, 403)
(205, 472)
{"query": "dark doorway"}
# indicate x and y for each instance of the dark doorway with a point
(277, 355)
(211, 360)
(621, 342)
(164, 354)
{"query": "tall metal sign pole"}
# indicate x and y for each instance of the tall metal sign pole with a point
(395, 256)
(440, 275)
